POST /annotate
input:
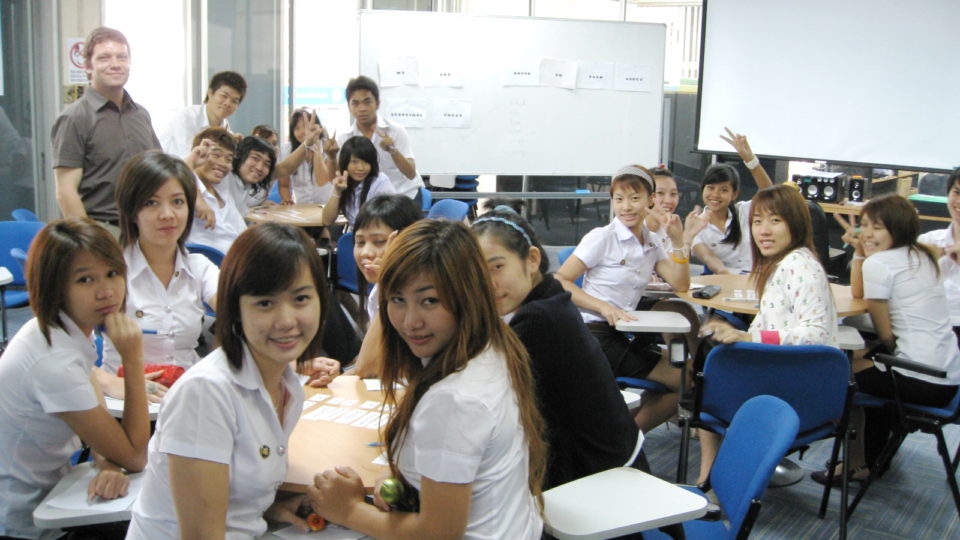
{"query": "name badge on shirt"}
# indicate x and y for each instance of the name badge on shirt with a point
(264, 451)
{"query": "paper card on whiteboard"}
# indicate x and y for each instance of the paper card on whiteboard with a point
(521, 72)
(409, 113)
(559, 73)
(595, 75)
(633, 77)
(441, 74)
(451, 113)
(399, 72)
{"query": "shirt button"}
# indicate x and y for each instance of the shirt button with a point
(282, 450)
(176, 274)
(170, 334)
(168, 309)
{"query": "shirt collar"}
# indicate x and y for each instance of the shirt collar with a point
(381, 123)
(248, 376)
(76, 335)
(100, 101)
(137, 262)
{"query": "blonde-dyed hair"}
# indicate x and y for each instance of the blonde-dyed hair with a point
(448, 253)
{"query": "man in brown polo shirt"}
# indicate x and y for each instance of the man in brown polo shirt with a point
(96, 135)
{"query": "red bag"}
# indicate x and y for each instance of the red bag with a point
(169, 376)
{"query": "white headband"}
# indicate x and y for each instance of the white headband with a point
(635, 171)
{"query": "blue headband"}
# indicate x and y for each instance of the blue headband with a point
(498, 219)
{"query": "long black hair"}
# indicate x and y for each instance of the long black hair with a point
(360, 147)
(718, 173)
(249, 144)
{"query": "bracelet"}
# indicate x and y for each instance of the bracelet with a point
(753, 163)
(680, 261)
(859, 258)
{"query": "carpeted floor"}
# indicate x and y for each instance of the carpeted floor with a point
(911, 501)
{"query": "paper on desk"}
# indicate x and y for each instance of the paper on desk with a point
(75, 498)
(373, 385)
(350, 416)
(381, 460)
(332, 532)
(369, 404)
(114, 404)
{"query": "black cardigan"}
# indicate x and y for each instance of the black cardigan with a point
(589, 427)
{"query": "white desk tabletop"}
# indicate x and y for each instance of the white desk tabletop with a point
(655, 321)
(618, 501)
(115, 406)
(850, 339)
(5, 276)
(51, 517)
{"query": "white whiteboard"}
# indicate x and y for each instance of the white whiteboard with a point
(534, 130)
(857, 81)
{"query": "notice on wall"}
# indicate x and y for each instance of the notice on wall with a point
(521, 72)
(595, 75)
(559, 73)
(410, 113)
(451, 113)
(74, 73)
(633, 77)
(399, 72)
(441, 73)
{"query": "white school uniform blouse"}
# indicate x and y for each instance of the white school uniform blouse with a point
(373, 302)
(918, 310)
(466, 429)
(176, 138)
(797, 306)
(217, 414)
(949, 269)
(618, 266)
(229, 221)
(737, 258)
(407, 186)
(303, 184)
(175, 312)
(38, 380)
(381, 186)
(242, 196)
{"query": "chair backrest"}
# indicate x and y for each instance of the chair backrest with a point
(346, 266)
(813, 379)
(212, 253)
(451, 209)
(757, 439)
(21, 257)
(22, 214)
(16, 234)
(274, 194)
(565, 254)
(426, 200)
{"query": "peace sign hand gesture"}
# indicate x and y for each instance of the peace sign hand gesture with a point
(851, 233)
(740, 144)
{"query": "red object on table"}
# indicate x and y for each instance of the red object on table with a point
(170, 373)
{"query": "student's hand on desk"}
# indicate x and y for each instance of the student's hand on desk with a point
(321, 370)
(335, 492)
(204, 213)
(739, 142)
(155, 390)
(108, 484)
(284, 510)
(613, 314)
(723, 332)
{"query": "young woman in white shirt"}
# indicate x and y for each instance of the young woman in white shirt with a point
(724, 245)
(796, 305)
(616, 262)
(359, 178)
(308, 181)
(947, 244)
(167, 287)
(268, 316)
(466, 436)
(378, 222)
(48, 400)
(900, 280)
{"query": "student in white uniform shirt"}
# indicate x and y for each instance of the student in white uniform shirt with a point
(76, 279)
(309, 180)
(359, 179)
(389, 138)
(216, 474)
(616, 262)
(166, 286)
(947, 242)
(378, 221)
(900, 280)
(211, 173)
(466, 436)
(224, 94)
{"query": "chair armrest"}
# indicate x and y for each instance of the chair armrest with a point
(895, 361)
(652, 386)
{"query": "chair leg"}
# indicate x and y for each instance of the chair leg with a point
(825, 499)
(882, 460)
(684, 450)
(956, 459)
(951, 477)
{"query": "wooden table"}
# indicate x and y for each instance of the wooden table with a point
(853, 209)
(845, 303)
(318, 445)
(301, 215)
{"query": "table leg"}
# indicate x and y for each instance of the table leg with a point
(678, 359)
(3, 315)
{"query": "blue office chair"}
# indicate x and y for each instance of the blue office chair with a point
(426, 200)
(346, 267)
(912, 417)
(13, 235)
(22, 214)
(565, 254)
(450, 209)
(212, 253)
(274, 194)
(813, 379)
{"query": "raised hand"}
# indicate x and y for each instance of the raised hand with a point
(851, 233)
(740, 144)
(340, 181)
(386, 141)
(314, 131)
(330, 146)
(199, 154)
(696, 221)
